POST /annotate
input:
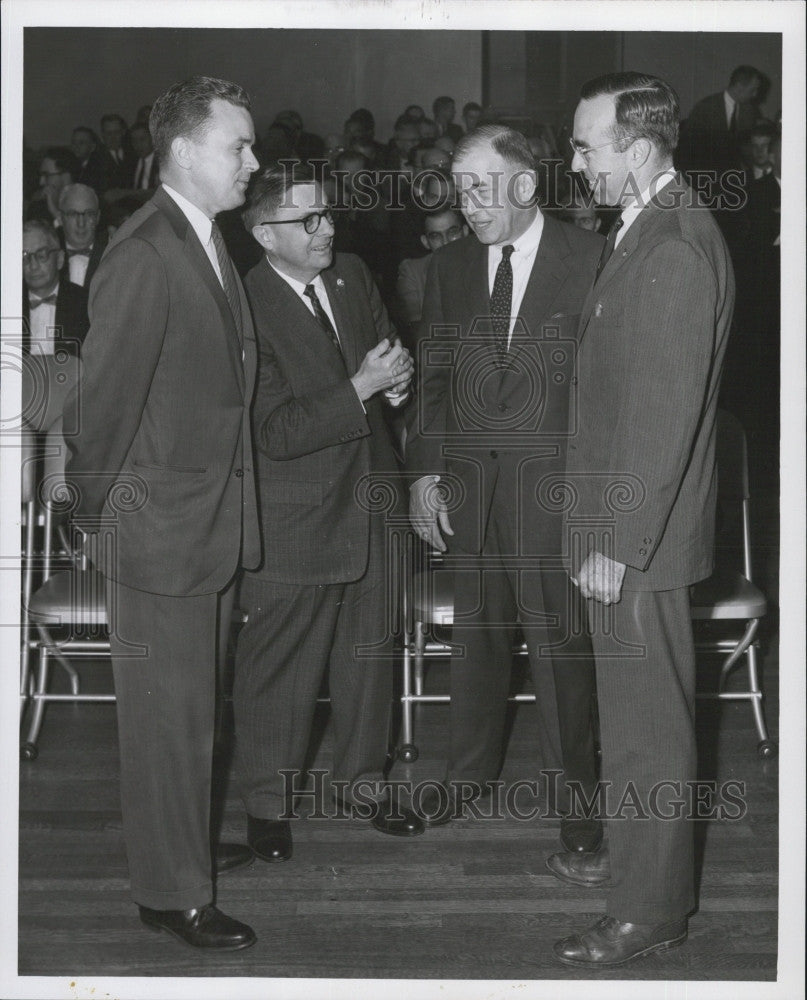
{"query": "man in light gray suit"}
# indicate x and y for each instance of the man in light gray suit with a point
(642, 473)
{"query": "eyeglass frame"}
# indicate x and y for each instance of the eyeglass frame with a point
(585, 150)
(71, 213)
(37, 255)
(447, 235)
(319, 216)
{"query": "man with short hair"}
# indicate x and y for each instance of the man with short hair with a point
(167, 377)
(59, 167)
(640, 529)
(84, 143)
(756, 143)
(440, 227)
(54, 310)
(444, 110)
(496, 361)
(710, 135)
(329, 360)
(84, 246)
(117, 159)
(471, 113)
(146, 171)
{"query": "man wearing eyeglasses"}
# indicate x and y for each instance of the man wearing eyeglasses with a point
(640, 531)
(329, 362)
(59, 167)
(441, 226)
(79, 213)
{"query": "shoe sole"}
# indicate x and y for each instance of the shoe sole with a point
(236, 867)
(659, 946)
(269, 860)
(196, 947)
(570, 880)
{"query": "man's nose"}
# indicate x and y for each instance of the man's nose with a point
(578, 163)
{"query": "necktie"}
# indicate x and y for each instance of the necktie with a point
(608, 249)
(322, 317)
(227, 275)
(501, 299)
(49, 300)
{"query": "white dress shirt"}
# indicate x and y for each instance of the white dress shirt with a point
(42, 322)
(631, 213)
(521, 260)
(730, 105)
(142, 172)
(202, 226)
(319, 287)
(77, 262)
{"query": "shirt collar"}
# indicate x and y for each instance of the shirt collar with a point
(528, 242)
(202, 226)
(299, 286)
(630, 213)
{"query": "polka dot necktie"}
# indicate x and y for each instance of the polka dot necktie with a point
(608, 249)
(501, 300)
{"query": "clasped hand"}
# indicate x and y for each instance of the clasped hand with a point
(385, 367)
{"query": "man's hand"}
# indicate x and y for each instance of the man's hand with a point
(427, 509)
(385, 366)
(601, 578)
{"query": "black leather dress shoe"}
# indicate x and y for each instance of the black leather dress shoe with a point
(396, 821)
(270, 839)
(581, 835)
(588, 870)
(610, 942)
(230, 857)
(206, 927)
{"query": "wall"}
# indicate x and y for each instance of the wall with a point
(73, 76)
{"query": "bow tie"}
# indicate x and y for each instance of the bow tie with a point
(79, 253)
(49, 300)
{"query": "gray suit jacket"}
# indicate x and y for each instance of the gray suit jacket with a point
(641, 468)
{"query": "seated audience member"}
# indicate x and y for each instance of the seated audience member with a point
(306, 145)
(360, 126)
(428, 131)
(755, 150)
(415, 112)
(116, 157)
(119, 211)
(54, 309)
(582, 215)
(146, 173)
(439, 227)
(277, 143)
(471, 113)
(84, 143)
(444, 111)
(360, 219)
(79, 212)
(143, 115)
(406, 136)
(58, 168)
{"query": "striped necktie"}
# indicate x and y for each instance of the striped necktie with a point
(227, 275)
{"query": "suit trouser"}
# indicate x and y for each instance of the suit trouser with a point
(491, 596)
(164, 657)
(294, 633)
(647, 726)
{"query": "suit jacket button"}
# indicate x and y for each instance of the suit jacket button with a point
(648, 541)
(642, 552)
(239, 473)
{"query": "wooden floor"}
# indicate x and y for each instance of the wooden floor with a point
(471, 900)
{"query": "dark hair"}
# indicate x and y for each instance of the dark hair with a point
(268, 189)
(509, 144)
(86, 128)
(766, 129)
(64, 159)
(471, 106)
(405, 119)
(113, 118)
(645, 107)
(364, 118)
(184, 109)
(441, 102)
(744, 75)
(440, 209)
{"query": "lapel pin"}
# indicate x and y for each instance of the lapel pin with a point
(340, 283)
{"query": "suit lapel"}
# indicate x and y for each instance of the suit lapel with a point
(341, 299)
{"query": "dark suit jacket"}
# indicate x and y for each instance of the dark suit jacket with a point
(165, 392)
(153, 175)
(706, 140)
(93, 173)
(96, 253)
(116, 175)
(315, 444)
(485, 425)
(72, 321)
(653, 334)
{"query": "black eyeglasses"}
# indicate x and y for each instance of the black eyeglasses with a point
(89, 215)
(310, 223)
(40, 256)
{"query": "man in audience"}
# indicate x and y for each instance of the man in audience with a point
(582, 213)
(84, 246)
(415, 112)
(428, 130)
(84, 143)
(444, 110)
(471, 113)
(167, 376)
(117, 159)
(360, 127)
(439, 227)
(316, 605)
(404, 140)
(711, 133)
(757, 145)
(640, 532)
(495, 360)
(59, 167)
(146, 175)
(54, 309)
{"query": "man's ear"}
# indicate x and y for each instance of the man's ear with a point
(180, 152)
(263, 235)
(524, 188)
(425, 242)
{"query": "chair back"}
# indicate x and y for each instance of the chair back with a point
(732, 459)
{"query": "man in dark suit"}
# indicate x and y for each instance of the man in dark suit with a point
(328, 356)
(49, 303)
(642, 488)
(168, 370)
(84, 243)
(499, 321)
(84, 143)
(145, 169)
(711, 133)
(116, 154)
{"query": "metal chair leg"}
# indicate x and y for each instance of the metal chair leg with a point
(41, 689)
